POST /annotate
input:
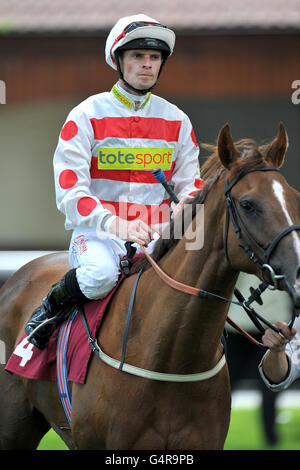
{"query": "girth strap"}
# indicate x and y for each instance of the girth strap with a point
(148, 374)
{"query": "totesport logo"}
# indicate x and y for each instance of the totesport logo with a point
(135, 158)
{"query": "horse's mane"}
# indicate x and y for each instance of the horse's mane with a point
(252, 156)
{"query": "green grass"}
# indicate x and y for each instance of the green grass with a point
(51, 441)
(245, 432)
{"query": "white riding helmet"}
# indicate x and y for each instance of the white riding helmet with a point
(138, 32)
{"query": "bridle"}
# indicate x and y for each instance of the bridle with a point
(233, 216)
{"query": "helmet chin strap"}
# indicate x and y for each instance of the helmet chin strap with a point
(130, 87)
(136, 90)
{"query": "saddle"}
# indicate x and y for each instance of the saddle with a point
(33, 363)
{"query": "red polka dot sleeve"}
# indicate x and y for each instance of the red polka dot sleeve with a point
(72, 161)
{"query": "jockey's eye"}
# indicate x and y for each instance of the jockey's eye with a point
(247, 206)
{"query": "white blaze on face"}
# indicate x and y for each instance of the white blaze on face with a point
(279, 193)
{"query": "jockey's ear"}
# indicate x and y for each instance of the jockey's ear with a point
(276, 151)
(227, 151)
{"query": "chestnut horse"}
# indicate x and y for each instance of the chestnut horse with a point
(171, 331)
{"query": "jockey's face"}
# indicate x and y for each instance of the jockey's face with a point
(140, 67)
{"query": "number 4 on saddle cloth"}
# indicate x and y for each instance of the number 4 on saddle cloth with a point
(33, 363)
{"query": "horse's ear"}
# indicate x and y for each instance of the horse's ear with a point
(227, 151)
(277, 149)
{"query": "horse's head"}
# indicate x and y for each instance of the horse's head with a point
(262, 231)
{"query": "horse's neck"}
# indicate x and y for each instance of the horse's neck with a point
(199, 257)
(191, 327)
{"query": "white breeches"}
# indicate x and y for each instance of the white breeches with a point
(97, 260)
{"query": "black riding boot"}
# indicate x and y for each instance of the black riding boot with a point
(56, 307)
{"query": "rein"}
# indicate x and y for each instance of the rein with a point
(233, 216)
(198, 293)
(239, 227)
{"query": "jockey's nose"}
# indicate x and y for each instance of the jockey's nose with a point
(147, 62)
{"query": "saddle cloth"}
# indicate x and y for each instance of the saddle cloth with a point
(33, 363)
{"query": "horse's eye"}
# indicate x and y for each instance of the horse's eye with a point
(247, 206)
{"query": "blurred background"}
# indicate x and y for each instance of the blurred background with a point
(235, 61)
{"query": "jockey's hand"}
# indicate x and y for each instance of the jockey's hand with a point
(274, 341)
(176, 208)
(134, 231)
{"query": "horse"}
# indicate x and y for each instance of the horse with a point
(171, 331)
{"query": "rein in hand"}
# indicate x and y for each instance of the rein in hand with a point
(231, 215)
(207, 295)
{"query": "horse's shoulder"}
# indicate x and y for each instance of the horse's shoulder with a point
(41, 268)
(55, 262)
(24, 290)
(53, 265)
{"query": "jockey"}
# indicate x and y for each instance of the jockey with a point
(102, 166)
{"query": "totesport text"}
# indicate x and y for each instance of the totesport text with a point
(135, 158)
